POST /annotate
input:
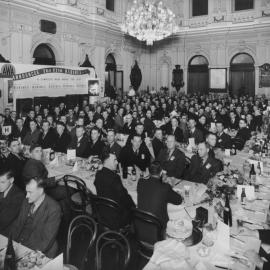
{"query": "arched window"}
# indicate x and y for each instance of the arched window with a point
(242, 58)
(44, 55)
(198, 75)
(242, 75)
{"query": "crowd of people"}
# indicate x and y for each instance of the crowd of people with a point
(157, 128)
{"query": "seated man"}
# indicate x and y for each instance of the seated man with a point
(172, 160)
(211, 140)
(62, 138)
(202, 166)
(157, 142)
(112, 146)
(33, 135)
(81, 143)
(154, 195)
(109, 185)
(37, 224)
(135, 154)
(11, 198)
(96, 144)
(243, 134)
(223, 139)
(48, 136)
(194, 132)
(16, 161)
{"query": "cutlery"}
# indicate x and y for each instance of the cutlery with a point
(221, 267)
(23, 256)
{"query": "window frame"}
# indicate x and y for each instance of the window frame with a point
(107, 7)
(191, 10)
(242, 10)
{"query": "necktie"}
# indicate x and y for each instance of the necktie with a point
(31, 211)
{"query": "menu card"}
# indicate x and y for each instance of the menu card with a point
(55, 264)
(227, 152)
(71, 154)
(223, 236)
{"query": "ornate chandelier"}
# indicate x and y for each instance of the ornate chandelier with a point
(149, 21)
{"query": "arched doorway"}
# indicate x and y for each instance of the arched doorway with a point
(198, 75)
(44, 55)
(242, 75)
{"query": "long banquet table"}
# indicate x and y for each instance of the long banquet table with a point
(255, 214)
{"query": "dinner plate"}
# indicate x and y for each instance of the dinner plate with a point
(179, 229)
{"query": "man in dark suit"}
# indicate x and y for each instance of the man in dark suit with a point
(19, 130)
(157, 142)
(135, 154)
(11, 198)
(153, 195)
(96, 144)
(62, 138)
(174, 129)
(47, 137)
(243, 132)
(33, 135)
(129, 127)
(202, 166)
(223, 139)
(172, 160)
(108, 184)
(112, 146)
(195, 132)
(80, 143)
(37, 224)
(16, 161)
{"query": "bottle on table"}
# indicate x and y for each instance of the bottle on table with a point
(259, 169)
(10, 261)
(133, 174)
(243, 196)
(52, 155)
(227, 214)
(252, 175)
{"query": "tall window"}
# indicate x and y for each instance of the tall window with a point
(199, 7)
(243, 4)
(110, 5)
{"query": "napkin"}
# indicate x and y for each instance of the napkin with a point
(71, 154)
(54, 162)
(168, 250)
(223, 236)
(55, 264)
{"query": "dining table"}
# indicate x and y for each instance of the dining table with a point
(227, 251)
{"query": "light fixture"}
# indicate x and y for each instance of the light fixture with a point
(149, 21)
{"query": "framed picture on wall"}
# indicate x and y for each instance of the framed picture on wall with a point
(218, 79)
(93, 87)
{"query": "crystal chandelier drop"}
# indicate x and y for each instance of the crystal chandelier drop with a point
(149, 21)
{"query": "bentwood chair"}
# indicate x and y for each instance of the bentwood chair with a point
(108, 214)
(82, 234)
(148, 230)
(77, 196)
(112, 250)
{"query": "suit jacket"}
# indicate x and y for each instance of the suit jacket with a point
(129, 129)
(157, 146)
(82, 147)
(61, 142)
(48, 141)
(153, 197)
(31, 137)
(244, 134)
(114, 149)
(109, 185)
(264, 236)
(118, 123)
(201, 173)
(174, 164)
(95, 149)
(197, 135)
(17, 164)
(16, 133)
(252, 125)
(10, 208)
(128, 158)
(177, 133)
(149, 127)
(46, 221)
(224, 141)
(234, 125)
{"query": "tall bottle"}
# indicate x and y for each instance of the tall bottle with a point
(259, 169)
(252, 175)
(243, 196)
(10, 262)
(227, 214)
